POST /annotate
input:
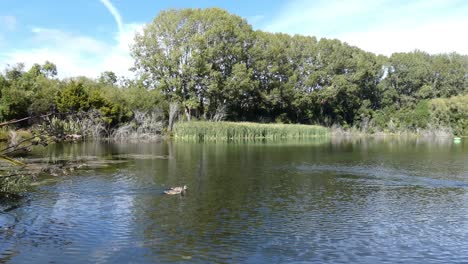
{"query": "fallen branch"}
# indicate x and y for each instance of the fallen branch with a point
(12, 161)
(23, 119)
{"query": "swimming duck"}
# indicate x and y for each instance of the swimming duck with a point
(176, 190)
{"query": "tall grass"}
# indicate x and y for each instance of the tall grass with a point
(4, 134)
(203, 130)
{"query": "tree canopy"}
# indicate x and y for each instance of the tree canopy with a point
(207, 58)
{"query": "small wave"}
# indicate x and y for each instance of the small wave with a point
(384, 174)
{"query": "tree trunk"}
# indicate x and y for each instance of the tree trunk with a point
(173, 108)
(188, 113)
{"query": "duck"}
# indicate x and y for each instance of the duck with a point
(176, 190)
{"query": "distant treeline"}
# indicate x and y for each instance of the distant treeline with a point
(213, 64)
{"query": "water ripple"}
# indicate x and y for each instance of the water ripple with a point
(247, 204)
(379, 175)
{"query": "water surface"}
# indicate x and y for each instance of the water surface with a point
(336, 201)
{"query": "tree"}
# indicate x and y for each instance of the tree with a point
(108, 77)
(188, 55)
(16, 94)
(49, 69)
(72, 98)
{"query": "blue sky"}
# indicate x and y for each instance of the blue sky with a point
(87, 37)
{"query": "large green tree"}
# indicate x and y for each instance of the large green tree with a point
(189, 54)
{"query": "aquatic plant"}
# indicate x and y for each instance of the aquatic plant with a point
(203, 130)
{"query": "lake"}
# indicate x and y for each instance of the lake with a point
(314, 201)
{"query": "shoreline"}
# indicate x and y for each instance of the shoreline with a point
(250, 131)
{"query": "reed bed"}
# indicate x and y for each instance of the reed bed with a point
(203, 130)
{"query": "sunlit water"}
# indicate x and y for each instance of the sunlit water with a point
(361, 201)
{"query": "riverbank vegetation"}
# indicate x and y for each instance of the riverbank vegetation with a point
(214, 67)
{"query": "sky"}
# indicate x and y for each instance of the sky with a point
(88, 37)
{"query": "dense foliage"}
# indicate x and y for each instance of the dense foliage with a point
(38, 92)
(213, 64)
(209, 60)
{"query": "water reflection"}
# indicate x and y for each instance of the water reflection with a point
(333, 201)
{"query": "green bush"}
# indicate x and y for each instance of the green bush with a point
(72, 98)
(451, 112)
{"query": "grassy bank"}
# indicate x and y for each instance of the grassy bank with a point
(202, 130)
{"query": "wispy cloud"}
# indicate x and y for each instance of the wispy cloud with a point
(115, 13)
(381, 26)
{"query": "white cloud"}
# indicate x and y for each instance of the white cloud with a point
(58, 39)
(77, 54)
(380, 26)
(318, 17)
(119, 59)
(440, 37)
(8, 23)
